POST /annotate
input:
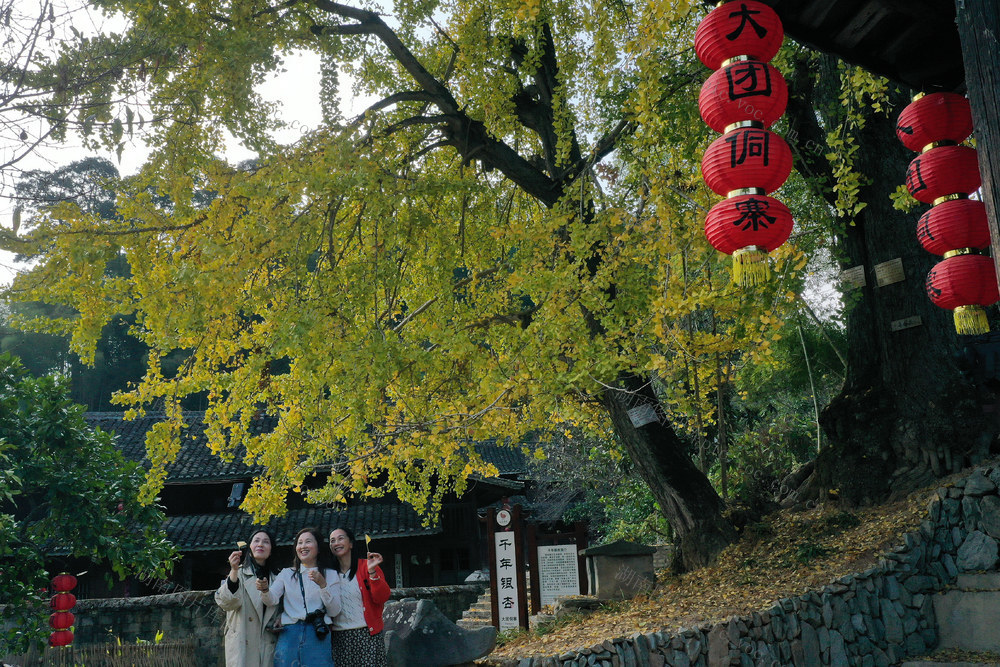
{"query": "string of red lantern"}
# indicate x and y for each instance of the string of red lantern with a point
(741, 99)
(61, 621)
(944, 175)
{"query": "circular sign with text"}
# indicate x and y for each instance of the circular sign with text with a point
(503, 518)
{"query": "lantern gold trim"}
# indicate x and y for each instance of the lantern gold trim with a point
(937, 144)
(918, 96)
(739, 125)
(746, 191)
(960, 251)
(736, 59)
(951, 197)
(971, 320)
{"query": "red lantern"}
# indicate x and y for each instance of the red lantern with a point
(942, 171)
(959, 223)
(965, 283)
(934, 117)
(748, 226)
(747, 157)
(62, 620)
(63, 582)
(743, 90)
(746, 28)
(61, 638)
(63, 601)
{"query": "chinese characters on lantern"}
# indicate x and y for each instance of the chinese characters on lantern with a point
(741, 99)
(944, 175)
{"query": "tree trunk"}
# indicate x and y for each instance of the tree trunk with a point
(979, 29)
(906, 413)
(684, 494)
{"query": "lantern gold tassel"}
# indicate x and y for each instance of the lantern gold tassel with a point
(750, 266)
(971, 320)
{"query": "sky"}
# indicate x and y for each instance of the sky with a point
(295, 88)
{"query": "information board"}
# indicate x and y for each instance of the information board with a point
(558, 571)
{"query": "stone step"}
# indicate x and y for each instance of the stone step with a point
(989, 581)
(928, 663)
(477, 615)
(967, 619)
(472, 625)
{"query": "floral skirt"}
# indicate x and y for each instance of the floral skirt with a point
(358, 648)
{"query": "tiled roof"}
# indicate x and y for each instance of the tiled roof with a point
(195, 462)
(509, 460)
(211, 532)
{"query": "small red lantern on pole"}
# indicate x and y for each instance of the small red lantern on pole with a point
(61, 638)
(62, 601)
(62, 620)
(63, 582)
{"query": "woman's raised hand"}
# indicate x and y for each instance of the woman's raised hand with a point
(374, 560)
(234, 565)
(317, 578)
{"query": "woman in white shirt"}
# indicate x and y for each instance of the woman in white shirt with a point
(310, 594)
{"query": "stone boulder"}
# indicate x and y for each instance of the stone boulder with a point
(417, 634)
(978, 552)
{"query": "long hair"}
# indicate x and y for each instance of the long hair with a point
(324, 559)
(357, 551)
(271, 563)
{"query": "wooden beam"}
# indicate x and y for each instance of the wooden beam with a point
(979, 29)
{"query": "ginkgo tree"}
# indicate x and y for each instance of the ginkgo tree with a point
(508, 241)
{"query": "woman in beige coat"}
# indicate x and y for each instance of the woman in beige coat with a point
(248, 644)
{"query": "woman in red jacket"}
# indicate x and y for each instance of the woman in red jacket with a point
(357, 630)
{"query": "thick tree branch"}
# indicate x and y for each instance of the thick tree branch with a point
(468, 136)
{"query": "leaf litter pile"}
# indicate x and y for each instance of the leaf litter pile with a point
(784, 555)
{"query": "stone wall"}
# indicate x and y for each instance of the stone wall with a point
(451, 600)
(871, 619)
(193, 615)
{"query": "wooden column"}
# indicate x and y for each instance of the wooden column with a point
(979, 29)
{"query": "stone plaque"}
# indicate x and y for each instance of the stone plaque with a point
(906, 323)
(889, 272)
(854, 276)
(559, 572)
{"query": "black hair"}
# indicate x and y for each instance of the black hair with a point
(270, 564)
(361, 552)
(323, 559)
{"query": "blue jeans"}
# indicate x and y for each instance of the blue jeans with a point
(298, 646)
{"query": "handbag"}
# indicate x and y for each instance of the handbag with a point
(274, 625)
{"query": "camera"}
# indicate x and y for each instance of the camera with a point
(319, 625)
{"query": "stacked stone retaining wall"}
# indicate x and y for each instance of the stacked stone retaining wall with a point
(194, 616)
(872, 619)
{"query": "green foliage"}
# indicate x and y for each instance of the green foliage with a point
(65, 489)
(808, 552)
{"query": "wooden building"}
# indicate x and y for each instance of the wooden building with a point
(201, 499)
